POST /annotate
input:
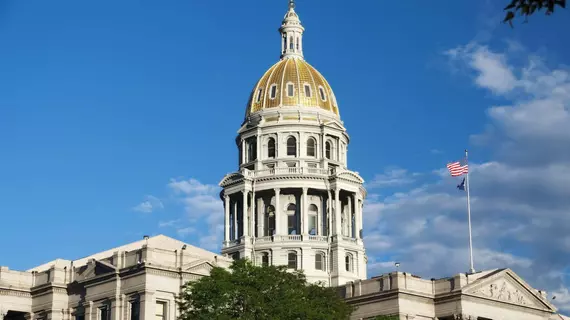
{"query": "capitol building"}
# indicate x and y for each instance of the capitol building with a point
(292, 201)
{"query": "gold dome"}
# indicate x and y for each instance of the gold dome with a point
(292, 82)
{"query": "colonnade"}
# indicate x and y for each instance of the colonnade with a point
(329, 215)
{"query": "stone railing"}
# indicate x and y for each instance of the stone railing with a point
(278, 238)
(285, 171)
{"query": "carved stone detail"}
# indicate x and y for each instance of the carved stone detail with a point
(502, 290)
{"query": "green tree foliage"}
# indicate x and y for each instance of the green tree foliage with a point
(249, 292)
(527, 7)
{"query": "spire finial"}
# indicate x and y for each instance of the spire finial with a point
(291, 4)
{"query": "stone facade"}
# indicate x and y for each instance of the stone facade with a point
(489, 295)
(137, 281)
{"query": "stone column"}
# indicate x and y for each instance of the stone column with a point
(116, 307)
(147, 306)
(254, 215)
(350, 212)
(260, 216)
(89, 311)
(243, 151)
(277, 211)
(337, 213)
(329, 214)
(245, 214)
(226, 218)
(305, 213)
(357, 216)
(235, 222)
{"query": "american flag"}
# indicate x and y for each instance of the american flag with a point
(456, 169)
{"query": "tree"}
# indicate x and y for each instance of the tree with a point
(249, 292)
(527, 7)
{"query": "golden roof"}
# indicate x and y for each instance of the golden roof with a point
(292, 82)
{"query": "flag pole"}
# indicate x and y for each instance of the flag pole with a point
(471, 268)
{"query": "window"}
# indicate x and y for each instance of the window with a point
(271, 148)
(292, 260)
(323, 94)
(80, 317)
(235, 255)
(252, 150)
(313, 211)
(259, 92)
(135, 309)
(311, 147)
(319, 258)
(291, 219)
(348, 262)
(290, 90)
(291, 44)
(328, 150)
(104, 313)
(273, 91)
(160, 310)
(291, 146)
(265, 259)
(297, 43)
(270, 221)
(307, 91)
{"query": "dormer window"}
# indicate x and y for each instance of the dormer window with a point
(307, 91)
(273, 91)
(290, 90)
(259, 92)
(323, 94)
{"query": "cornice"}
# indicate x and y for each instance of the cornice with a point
(15, 293)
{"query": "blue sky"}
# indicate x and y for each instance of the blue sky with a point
(118, 119)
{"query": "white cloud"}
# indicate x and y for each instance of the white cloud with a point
(150, 204)
(192, 186)
(204, 212)
(493, 72)
(391, 177)
(520, 199)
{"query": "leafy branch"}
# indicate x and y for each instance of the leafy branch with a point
(528, 7)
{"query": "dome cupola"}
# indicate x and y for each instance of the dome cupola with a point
(292, 82)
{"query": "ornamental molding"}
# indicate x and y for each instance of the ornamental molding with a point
(164, 273)
(15, 293)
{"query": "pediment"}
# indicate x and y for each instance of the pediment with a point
(334, 125)
(201, 267)
(230, 178)
(506, 286)
(350, 175)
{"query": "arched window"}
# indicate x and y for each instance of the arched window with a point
(259, 92)
(307, 91)
(291, 43)
(320, 261)
(313, 212)
(292, 260)
(271, 148)
(323, 94)
(291, 146)
(290, 90)
(252, 150)
(311, 147)
(265, 259)
(273, 91)
(328, 150)
(270, 220)
(348, 262)
(292, 219)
